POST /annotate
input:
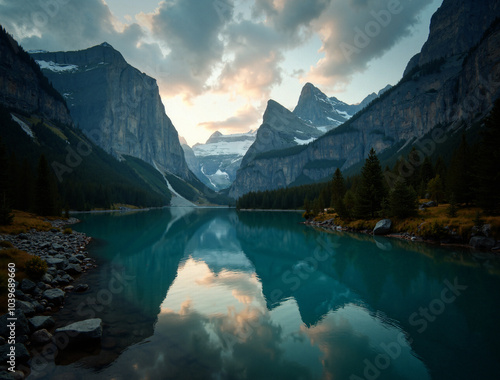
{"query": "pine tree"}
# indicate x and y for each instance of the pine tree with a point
(460, 174)
(372, 190)
(5, 210)
(46, 191)
(487, 174)
(435, 189)
(403, 200)
(338, 187)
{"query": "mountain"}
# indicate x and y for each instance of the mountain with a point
(116, 105)
(452, 85)
(120, 109)
(35, 120)
(215, 163)
(326, 113)
(280, 129)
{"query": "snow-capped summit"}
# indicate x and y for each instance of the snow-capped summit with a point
(216, 161)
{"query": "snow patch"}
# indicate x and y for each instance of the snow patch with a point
(56, 67)
(26, 128)
(177, 199)
(304, 142)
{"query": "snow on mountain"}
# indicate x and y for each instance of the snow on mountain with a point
(326, 113)
(215, 163)
(56, 67)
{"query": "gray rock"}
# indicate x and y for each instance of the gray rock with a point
(89, 329)
(486, 230)
(73, 269)
(55, 262)
(81, 287)
(55, 296)
(383, 227)
(22, 354)
(481, 242)
(41, 322)
(41, 337)
(57, 247)
(27, 285)
(26, 307)
(46, 278)
(22, 327)
(428, 204)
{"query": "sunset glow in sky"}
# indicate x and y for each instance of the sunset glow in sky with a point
(218, 62)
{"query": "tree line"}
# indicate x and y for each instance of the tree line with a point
(470, 178)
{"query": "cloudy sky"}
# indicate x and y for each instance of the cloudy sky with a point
(218, 62)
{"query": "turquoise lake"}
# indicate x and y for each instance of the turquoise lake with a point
(200, 293)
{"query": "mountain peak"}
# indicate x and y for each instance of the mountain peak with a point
(105, 44)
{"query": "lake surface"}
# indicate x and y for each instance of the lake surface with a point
(218, 294)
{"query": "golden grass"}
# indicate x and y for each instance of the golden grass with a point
(11, 255)
(25, 221)
(427, 222)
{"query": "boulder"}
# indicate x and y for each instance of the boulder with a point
(383, 227)
(22, 354)
(481, 242)
(27, 286)
(81, 288)
(22, 327)
(41, 337)
(55, 262)
(87, 330)
(73, 269)
(55, 296)
(41, 322)
(428, 204)
(26, 307)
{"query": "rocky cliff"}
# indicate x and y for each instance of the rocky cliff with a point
(326, 113)
(116, 105)
(456, 87)
(280, 129)
(23, 86)
(456, 26)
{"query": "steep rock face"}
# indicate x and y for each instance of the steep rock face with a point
(280, 129)
(23, 86)
(461, 90)
(220, 157)
(316, 108)
(455, 27)
(116, 105)
(326, 113)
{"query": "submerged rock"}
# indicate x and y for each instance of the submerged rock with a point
(89, 329)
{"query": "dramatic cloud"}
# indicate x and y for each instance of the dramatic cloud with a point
(190, 30)
(238, 50)
(355, 32)
(243, 117)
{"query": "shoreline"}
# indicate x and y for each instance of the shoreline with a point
(37, 301)
(329, 226)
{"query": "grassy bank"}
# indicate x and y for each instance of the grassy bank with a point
(432, 222)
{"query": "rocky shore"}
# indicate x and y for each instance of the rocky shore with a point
(481, 238)
(64, 252)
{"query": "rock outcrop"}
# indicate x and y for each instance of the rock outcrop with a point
(457, 88)
(23, 86)
(116, 105)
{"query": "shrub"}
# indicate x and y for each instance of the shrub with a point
(35, 267)
(68, 231)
